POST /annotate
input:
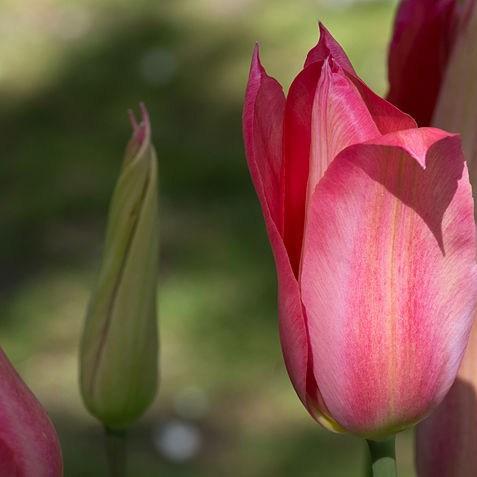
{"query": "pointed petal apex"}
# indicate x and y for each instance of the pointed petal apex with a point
(328, 46)
(256, 68)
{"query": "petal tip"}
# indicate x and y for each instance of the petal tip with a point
(322, 29)
(142, 129)
(256, 68)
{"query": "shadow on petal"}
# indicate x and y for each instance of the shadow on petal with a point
(428, 191)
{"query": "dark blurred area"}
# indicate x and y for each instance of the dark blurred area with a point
(69, 71)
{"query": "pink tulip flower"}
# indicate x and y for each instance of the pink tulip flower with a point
(29, 445)
(370, 220)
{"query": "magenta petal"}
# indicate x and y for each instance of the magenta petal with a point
(28, 442)
(297, 141)
(263, 131)
(423, 38)
(262, 125)
(389, 279)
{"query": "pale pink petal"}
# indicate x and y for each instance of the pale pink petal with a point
(28, 442)
(389, 279)
(446, 442)
(339, 118)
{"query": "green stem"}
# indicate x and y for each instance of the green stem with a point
(116, 452)
(383, 457)
(367, 469)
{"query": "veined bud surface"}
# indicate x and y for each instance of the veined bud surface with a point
(119, 347)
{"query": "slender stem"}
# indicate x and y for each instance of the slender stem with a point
(367, 469)
(383, 457)
(116, 451)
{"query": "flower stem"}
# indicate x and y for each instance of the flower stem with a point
(116, 452)
(383, 457)
(367, 469)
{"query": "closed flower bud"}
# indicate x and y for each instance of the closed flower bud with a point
(119, 348)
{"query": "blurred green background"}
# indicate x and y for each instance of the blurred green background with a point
(69, 70)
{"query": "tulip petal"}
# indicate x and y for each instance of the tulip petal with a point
(418, 54)
(389, 280)
(262, 129)
(28, 442)
(387, 117)
(339, 118)
(446, 442)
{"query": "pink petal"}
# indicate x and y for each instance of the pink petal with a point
(424, 33)
(339, 118)
(446, 442)
(262, 125)
(141, 129)
(389, 281)
(28, 442)
(262, 128)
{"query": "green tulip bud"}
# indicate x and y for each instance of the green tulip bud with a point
(119, 347)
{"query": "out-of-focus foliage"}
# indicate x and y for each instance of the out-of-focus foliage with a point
(69, 69)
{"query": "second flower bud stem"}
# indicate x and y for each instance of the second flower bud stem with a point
(116, 452)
